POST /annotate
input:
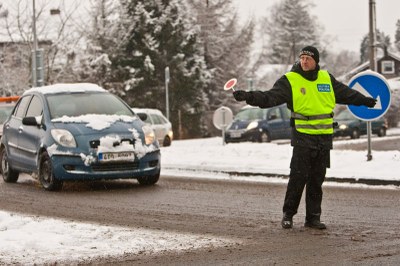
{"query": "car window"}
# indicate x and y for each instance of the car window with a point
(345, 115)
(77, 104)
(286, 113)
(274, 114)
(156, 119)
(5, 111)
(250, 114)
(148, 119)
(35, 107)
(163, 119)
(20, 110)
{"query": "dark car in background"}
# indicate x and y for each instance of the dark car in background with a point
(77, 131)
(259, 125)
(350, 126)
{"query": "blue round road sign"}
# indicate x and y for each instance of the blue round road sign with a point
(371, 84)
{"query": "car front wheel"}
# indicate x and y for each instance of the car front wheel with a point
(382, 132)
(355, 134)
(167, 141)
(264, 137)
(46, 175)
(9, 174)
(148, 180)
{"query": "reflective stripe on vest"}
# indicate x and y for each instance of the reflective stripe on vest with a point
(313, 103)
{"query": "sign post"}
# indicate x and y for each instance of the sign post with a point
(166, 91)
(222, 118)
(370, 84)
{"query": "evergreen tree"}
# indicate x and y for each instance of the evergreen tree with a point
(289, 27)
(383, 43)
(159, 37)
(397, 36)
(227, 47)
(103, 42)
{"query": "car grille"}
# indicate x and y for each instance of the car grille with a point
(109, 167)
(94, 144)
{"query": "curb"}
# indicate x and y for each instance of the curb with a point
(370, 182)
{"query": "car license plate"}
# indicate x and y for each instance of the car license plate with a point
(236, 134)
(116, 156)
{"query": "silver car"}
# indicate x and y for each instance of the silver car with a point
(159, 123)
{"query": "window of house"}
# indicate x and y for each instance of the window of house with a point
(387, 67)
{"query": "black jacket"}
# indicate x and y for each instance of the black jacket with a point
(281, 92)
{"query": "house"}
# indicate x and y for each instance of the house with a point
(388, 65)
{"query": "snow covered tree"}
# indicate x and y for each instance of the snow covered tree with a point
(397, 36)
(227, 46)
(56, 35)
(104, 39)
(288, 28)
(383, 43)
(342, 62)
(158, 37)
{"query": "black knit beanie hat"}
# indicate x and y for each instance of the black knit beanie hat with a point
(310, 51)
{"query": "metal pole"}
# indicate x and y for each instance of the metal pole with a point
(166, 92)
(35, 47)
(372, 60)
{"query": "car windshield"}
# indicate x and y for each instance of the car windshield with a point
(5, 111)
(345, 115)
(250, 114)
(77, 104)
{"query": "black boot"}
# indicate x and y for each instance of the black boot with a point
(287, 222)
(316, 224)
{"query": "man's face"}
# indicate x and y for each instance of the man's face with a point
(307, 62)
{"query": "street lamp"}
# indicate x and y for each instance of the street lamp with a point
(37, 56)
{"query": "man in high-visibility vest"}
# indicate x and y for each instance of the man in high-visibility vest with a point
(311, 94)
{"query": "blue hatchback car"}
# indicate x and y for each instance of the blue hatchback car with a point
(260, 125)
(77, 132)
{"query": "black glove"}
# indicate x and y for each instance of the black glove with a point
(241, 95)
(370, 102)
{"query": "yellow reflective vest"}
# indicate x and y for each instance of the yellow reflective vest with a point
(313, 103)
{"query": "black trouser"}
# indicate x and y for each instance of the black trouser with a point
(307, 168)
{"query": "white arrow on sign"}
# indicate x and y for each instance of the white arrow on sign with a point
(363, 91)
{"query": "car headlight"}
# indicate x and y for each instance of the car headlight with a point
(149, 136)
(63, 137)
(171, 134)
(252, 125)
(343, 127)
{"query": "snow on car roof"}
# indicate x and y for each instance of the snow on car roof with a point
(67, 87)
(147, 110)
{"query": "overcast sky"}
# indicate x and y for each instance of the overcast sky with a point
(346, 20)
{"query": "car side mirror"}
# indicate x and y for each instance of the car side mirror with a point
(142, 116)
(32, 120)
(272, 117)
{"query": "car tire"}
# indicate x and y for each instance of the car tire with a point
(46, 175)
(264, 137)
(355, 134)
(9, 174)
(382, 132)
(167, 141)
(148, 180)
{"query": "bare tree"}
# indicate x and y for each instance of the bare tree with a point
(56, 34)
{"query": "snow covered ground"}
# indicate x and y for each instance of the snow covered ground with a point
(263, 161)
(26, 239)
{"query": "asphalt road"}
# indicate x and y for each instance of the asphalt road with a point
(362, 222)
